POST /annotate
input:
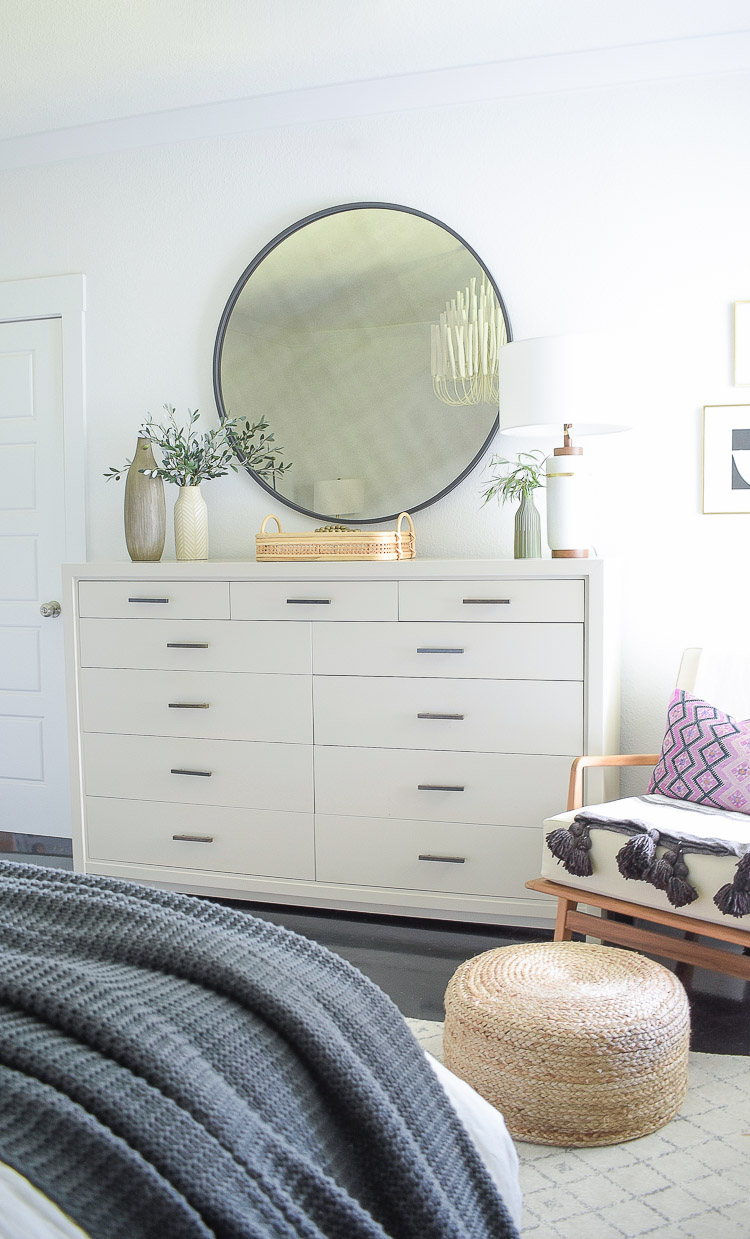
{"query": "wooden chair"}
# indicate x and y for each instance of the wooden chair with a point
(718, 678)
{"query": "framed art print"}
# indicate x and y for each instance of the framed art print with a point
(726, 458)
(742, 343)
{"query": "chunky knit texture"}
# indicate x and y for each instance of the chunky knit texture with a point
(175, 1069)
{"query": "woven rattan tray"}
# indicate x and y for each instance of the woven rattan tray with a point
(341, 544)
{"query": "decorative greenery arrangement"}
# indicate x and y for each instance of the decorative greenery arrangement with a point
(189, 457)
(515, 479)
(262, 458)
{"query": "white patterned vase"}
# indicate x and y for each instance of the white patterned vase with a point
(190, 524)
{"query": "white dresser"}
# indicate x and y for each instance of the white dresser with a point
(370, 736)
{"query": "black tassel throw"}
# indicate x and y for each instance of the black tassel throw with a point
(670, 874)
(733, 899)
(635, 859)
(660, 871)
(572, 847)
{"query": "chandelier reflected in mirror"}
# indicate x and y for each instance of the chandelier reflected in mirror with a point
(465, 344)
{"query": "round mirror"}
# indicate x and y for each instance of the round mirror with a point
(359, 353)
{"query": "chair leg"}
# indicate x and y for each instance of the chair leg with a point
(564, 906)
(685, 972)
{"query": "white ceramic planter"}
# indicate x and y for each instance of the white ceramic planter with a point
(191, 524)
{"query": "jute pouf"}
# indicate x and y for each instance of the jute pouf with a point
(576, 1044)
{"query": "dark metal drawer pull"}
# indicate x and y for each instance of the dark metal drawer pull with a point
(148, 600)
(428, 649)
(188, 705)
(447, 860)
(458, 717)
(202, 774)
(187, 645)
(476, 602)
(193, 838)
(437, 787)
(307, 602)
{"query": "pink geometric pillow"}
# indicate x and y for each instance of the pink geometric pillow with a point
(705, 756)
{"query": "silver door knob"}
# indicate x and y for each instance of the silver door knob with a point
(50, 610)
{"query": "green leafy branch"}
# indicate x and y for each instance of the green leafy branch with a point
(188, 457)
(514, 479)
(116, 473)
(259, 450)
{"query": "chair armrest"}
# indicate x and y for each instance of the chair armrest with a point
(575, 790)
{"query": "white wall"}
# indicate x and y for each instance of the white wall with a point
(592, 209)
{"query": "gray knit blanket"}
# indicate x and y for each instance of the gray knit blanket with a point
(170, 1068)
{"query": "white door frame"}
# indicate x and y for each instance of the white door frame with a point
(63, 297)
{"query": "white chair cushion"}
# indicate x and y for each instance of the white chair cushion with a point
(692, 822)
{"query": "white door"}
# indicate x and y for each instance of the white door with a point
(34, 788)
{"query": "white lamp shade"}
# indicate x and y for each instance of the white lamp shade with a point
(550, 381)
(339, 496)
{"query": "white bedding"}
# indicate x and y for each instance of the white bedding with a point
(26, 1213)
(486, 1126)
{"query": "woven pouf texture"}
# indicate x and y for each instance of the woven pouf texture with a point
(577, 1045)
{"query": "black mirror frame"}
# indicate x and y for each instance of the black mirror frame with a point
(237, 290)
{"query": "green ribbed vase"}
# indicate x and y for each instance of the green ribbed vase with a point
(527, 540)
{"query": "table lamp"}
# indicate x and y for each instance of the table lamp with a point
(339, 496)
(562, 385)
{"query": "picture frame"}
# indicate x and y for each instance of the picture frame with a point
(742, 343)
(726, 458)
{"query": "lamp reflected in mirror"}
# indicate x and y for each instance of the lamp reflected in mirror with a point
(339, 496)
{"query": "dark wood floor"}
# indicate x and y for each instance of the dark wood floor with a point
(413, 960)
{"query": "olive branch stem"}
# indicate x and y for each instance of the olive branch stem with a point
(515, 479)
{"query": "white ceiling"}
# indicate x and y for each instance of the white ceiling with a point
(73, 62)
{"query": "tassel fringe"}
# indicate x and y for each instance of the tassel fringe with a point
(636, 857)
(637, 860)
(670, 874)
(733, 899)
(571, 847)
(660, 872)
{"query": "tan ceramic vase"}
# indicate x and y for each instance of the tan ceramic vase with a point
(145, 508)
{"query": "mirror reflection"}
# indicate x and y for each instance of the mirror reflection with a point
(357, 399)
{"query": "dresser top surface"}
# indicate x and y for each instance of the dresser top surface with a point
(405, 570)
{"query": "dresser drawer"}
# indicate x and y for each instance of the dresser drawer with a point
(498, 602)
(495, 716)
(195, 645)
(153, 599)
(219, 705)
(429, 856)
(461, 651)
(517, 790)
(315, 600)
(247, 841)
(206, 772)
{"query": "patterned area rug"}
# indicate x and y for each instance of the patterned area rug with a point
(690, 1180)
